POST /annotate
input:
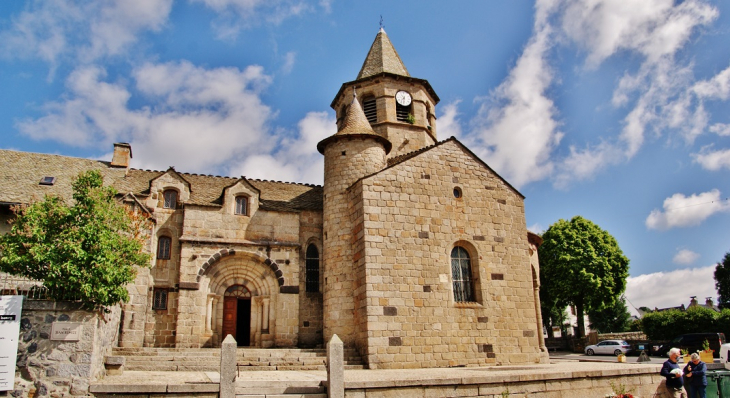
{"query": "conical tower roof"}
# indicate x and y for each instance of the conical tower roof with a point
(355, 124)
(382, 57)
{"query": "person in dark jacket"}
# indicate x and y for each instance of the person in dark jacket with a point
(673, 374)
(696, 375)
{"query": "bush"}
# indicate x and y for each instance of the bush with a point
(666, 325)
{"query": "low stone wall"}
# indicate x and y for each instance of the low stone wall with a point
(538, 382)
(48, 367)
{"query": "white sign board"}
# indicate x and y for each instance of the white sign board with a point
(10, 309)
(66, 331)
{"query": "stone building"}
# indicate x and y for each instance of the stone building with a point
(414, 251)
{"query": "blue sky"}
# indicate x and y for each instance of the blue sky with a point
(616, 110)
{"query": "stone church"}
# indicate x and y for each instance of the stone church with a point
(414, 251)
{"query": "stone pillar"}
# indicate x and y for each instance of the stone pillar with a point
(544, 355)
(228, 368)
(265, 316)
(209, 315)
(335, 368)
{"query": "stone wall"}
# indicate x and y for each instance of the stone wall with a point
(346, 160)
(641, 382)
(60, 368)
(310, 303)
(412, 222)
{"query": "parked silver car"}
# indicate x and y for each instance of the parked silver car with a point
(609, 347)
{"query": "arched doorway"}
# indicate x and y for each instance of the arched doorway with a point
(237, 314)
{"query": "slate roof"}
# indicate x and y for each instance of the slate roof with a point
(21, 173)
(382, 57)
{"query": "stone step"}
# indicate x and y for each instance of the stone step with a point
(208, 359)
(247, 395)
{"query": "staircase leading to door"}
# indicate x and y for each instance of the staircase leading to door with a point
(208, 359)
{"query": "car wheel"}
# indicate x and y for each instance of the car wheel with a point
(589, 352)
(617, 352)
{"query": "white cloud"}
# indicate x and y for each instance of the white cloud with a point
(721, 129)
(718, 87)
(84, 30)
(685, 257)
(536, 228)
(671, 289)
(289, 60)
(653, 28)
(712, 160)
(517, 132)
(448, 122)
(686, 211)
(235, 15)
(202, 119)
(296, 158)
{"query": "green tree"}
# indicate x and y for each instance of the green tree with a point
(722, 281)
(582, 265)
(613, 318)
(87, 250)
(666, 325)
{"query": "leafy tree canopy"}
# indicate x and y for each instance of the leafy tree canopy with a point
(666, 325)
(87, 250)
(582, 265)
(722, 281)
(612, 319)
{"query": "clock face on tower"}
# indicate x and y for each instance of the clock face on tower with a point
(403, 98)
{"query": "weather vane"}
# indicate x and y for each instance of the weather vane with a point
(381, 22)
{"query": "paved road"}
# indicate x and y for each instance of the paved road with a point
(569, 356)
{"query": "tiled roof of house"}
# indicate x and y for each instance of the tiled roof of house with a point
(382, 57)
(21, 174)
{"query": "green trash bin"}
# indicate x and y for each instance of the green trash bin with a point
(713, 380)
(723, 384)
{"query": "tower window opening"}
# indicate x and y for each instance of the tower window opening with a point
(370, 109)
(402, 112)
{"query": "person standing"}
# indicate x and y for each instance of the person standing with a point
(696, 375)
(673, 374)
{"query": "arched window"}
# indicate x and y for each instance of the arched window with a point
(241, 205)
(170, 196)
(163, 248)
(312, 264)
(461, 275)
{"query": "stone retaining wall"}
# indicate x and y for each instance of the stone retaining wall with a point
(48, 367)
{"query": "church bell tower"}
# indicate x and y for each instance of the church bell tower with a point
(397, 106)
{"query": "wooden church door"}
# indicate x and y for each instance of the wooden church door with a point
(237, 314)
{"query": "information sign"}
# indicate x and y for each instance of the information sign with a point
(10, 309)
(66, 331)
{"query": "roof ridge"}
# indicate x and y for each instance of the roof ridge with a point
(403, 157)
(232, 178)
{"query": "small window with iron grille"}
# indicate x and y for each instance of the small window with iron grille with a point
(163, 248)
(241, 205)
(160, 299)
(312, 264)
(461, 275)
(170, 197)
